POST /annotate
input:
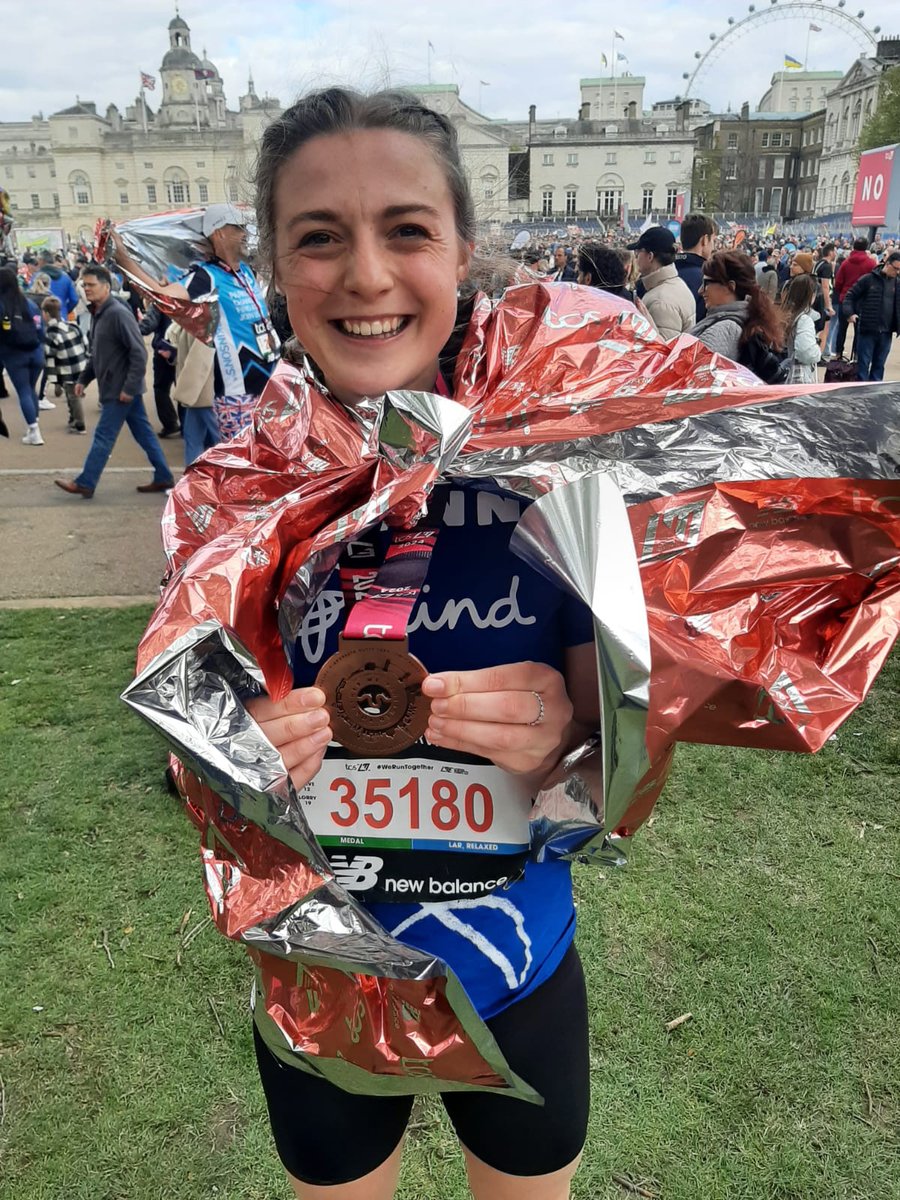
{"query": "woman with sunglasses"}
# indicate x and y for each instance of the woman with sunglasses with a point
(741, 323)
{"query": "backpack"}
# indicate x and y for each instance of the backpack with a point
(18, 332)
(771, 366)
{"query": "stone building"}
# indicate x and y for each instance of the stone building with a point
(761, 164)
(798, 91)
(595, 165)
(78, 165)
(847, 108)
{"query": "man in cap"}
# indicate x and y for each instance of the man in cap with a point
(667, 297)
(245, 341)
(873, 306)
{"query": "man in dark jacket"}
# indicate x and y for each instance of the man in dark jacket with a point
(118, 362)
(873, 304)
(563, 271)
(157, 323)
(698, 237)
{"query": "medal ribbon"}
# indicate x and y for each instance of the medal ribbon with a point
(383, 599)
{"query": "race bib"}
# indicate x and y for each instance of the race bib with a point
(419, 828)
(266, 340)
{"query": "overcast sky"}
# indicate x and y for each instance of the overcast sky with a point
(511, 54)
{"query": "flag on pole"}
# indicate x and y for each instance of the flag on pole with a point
(431, 48)
(201, 73)
(620, 57)
(484, 83)
(618, 35)
(148, 81)
(815, 28)
(792, 64)
(604, 60)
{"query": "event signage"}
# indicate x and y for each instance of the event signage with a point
(877, 200)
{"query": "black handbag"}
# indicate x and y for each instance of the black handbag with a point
(842, 370)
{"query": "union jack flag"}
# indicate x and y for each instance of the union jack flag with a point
(148, 81)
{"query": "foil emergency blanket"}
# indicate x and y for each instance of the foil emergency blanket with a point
(167, 245)
(738, 546)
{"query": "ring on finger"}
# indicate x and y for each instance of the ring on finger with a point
(539, 719)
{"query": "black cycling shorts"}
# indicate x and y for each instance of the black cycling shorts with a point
(326, 1136)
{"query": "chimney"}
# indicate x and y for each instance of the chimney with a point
(584, 113)
(745, 111)
(532, 121)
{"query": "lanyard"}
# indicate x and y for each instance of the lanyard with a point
(382, 598)
(242, 282)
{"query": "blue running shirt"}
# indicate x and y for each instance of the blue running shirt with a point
(480, 606)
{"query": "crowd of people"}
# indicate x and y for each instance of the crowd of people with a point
(779, 308)
(782, 310)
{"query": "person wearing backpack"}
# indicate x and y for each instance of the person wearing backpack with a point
(21, 349)
(742, 323)
(797, 311)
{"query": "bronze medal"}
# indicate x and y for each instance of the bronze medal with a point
(373, 693)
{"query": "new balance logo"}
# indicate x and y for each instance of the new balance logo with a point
(357, 875)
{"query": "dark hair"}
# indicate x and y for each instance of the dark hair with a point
(731, 267)
(826, 249)
(694, 227)
(51, 306)
(860, 243)
(340, 110)
(99, 273)
(797, 297)
(604, 265)
(13, 301)
(664, 258)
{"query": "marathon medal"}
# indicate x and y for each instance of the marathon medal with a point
(373, 685)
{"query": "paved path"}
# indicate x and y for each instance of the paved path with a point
(63, 549)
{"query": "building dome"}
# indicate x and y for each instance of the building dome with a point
(210, 66)
(180, 56)
(178, 22)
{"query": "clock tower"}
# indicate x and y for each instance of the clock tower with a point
(183, 94)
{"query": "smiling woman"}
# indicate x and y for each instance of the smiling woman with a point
(367, 225)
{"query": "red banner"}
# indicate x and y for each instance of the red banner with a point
(877, 187)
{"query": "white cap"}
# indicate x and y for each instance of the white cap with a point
(217, 216)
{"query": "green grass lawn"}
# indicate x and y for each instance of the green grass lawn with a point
(762, 899)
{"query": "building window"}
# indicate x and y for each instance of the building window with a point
(179, 192)
(778, 168)
(151, 193)
(775, 202)
(203, 193)
(571, 160)
(123, 198)
(610, 158)
(765, 140)
(53, 172)
(731, 169)
(732, 141)
(759, 200)
(548, 160)
(776, 140)
(488, 191)
(787, 139)
(646, 201)
(674, 156)
(649, 156)
(73, 133)
(148, 166)
(608, 200)
(35, 200)
(762, 168)
(671, 198)
(56, 199)
(546, 204)
(9, 172)
(31, 172)
(82, 197)
(200, 164)
(571, 202)
(233, 193)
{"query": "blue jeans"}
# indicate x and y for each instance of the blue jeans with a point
(201, 430)
(872, 350)
(24, 368)
(113, 416)
(831, 337)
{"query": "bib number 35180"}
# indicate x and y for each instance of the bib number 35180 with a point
(447, 806)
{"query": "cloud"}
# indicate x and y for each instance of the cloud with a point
(530, 52)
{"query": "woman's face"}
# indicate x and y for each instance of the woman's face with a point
(715, 293)
(368, 258)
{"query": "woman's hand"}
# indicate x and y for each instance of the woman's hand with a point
(519, 715)
(298, 727)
